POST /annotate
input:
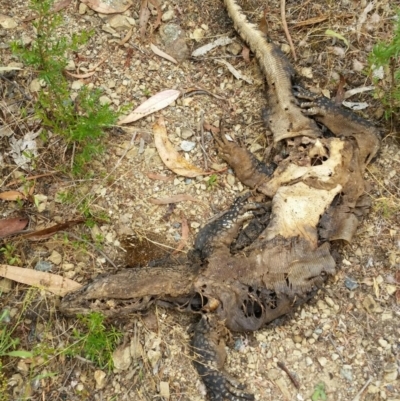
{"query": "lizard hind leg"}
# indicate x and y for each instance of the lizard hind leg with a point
(210, 355)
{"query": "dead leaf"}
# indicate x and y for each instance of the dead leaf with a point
(172, 199)
(376, 288)
(356, 91)
(171, 158)
(144, 16)
(107, 6)
(184, 237)
(126, 38)
(246, 54)
(162, 54)
(161, 177)
(48, 232)
(54, 283)
(12, 226)
(2, 69)
(235, 72)
(340, 90)
(355, 105)
(157, 102)
(12, 195)
(201, 51)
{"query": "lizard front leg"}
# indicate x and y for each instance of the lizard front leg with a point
(341, 122)
(221, 232)
(250, 171)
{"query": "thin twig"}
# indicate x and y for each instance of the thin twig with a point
(336, 347)
(92, 245)
(285, 28)
(291, 377)
(33, 177)
(357, 397)
(201, 128)
(123, 155)
(26, 97)
(73, 155)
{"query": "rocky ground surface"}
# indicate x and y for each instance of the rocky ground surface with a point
(344, 345)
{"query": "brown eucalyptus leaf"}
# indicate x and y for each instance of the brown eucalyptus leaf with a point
(53, 283)
(171, 158)
(162, 54)
(12, 226)
(157, 102)
(12, 195)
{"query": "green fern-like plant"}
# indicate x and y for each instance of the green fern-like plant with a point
(82, 121)
(387, 55)
(94, 341)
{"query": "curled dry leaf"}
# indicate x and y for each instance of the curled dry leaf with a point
(162, 54)
(126, 38)
(108, 7)
(157, 102)
(172, 199)
(171, 158)
(12, 195)
(51, 282)
(12, 226)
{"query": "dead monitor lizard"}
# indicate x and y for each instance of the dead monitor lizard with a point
(239, 278)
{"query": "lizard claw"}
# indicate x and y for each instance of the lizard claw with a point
(312, 104)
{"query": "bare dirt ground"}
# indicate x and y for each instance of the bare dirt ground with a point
(346, 341)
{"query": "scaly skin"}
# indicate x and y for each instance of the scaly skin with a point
(285, 118)
(240, 278)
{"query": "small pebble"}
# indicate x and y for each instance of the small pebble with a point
(187, 146)
(43, 266)
(350, 283)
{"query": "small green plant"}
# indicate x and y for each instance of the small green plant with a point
(10, 255)
(319, 393)
(81, 121)
(8, 341)
(212, 181)
(95, 342)
(387, 55)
